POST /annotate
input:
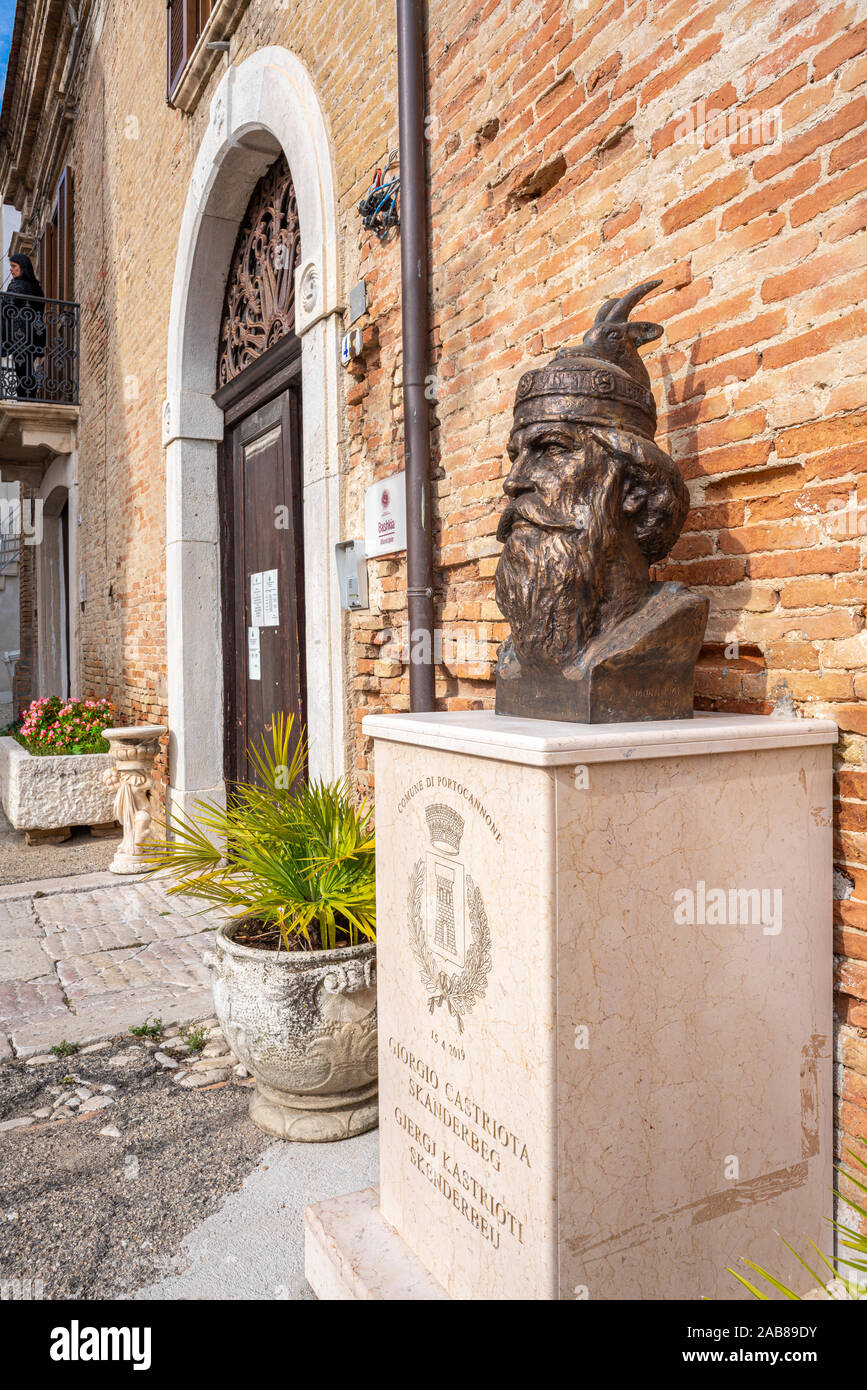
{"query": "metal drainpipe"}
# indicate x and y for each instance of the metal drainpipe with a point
(416, 335)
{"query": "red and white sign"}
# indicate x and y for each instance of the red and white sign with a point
(385, 516)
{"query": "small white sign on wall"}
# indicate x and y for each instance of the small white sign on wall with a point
(257, 607)
(270, 604)
(385, 516)
(254, 658)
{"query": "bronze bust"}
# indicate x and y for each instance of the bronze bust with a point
(593, 503)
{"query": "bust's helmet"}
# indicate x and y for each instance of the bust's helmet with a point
(601, 380)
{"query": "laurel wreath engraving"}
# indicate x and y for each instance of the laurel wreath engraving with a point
(458, 992)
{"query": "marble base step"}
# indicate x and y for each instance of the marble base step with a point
(350, 1253)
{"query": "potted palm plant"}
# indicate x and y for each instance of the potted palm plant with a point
(292, 865)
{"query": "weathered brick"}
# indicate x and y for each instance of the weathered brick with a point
(815, 270)
(772, 196)
(829, 193)
(823, 434)
(793, 151)
(848, 45)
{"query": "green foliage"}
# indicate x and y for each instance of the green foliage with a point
(838, 1286)
(293, 855)
(64, 1048)
(195, 1036)
(148, 1029)
(51, 726)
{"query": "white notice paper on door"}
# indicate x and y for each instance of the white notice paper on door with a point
(254, 659)
(256, 609)
(271, 605)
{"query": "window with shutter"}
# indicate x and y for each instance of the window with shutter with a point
(181, 22)
(186, 20)
(55, 243)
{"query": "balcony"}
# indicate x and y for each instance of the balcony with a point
(39, 408)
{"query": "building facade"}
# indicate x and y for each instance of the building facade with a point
(575, 149)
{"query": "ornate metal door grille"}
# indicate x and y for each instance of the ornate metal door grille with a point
(259, 307)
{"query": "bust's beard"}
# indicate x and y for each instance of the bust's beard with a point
(550, 587)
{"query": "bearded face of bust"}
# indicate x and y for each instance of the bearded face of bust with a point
(592, 503)
(580, 530)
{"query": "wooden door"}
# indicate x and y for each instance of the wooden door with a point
(263, 574)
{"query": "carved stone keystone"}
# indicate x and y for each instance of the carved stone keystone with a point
(134, 751)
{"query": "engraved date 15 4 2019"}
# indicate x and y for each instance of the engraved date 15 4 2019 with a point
(453, 1050)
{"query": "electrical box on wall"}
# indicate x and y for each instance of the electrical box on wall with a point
(351, 574)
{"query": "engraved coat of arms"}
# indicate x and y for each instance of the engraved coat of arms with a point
(448, 926)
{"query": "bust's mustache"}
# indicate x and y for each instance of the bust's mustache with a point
(529, 507)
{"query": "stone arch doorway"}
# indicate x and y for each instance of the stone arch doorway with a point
(52, 588)
(262, 108)
(259, 475)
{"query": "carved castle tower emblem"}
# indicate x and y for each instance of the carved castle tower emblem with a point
(445, 887)
(448, 926)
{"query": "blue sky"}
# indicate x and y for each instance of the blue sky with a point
(7, 19)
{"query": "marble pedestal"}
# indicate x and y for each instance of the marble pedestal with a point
(605, 976)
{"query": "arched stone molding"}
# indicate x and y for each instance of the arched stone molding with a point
(265, 104)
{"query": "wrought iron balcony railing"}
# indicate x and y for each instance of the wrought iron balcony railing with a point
(39, 349)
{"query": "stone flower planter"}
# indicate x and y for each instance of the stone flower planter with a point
(304, 1024)
(56, 792)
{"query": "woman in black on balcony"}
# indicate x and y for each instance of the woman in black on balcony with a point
(22, 329)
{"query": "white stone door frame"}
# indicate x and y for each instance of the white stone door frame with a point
(266, 104)
(57, 608)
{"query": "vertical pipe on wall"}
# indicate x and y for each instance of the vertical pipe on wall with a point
(416, 336)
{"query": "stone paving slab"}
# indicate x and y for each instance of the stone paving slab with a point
(87, 961)
(30, 999)
(86, 978)
(107, 1018)
(117, 906)
(87, 939)
(21, 960)
(74, 883)
(18, 921)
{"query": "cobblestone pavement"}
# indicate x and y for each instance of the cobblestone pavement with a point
(86, 958)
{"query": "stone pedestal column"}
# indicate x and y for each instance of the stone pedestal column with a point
(134, 751)
(605, 973)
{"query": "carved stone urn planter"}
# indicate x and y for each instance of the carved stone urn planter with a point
(304, 1024)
